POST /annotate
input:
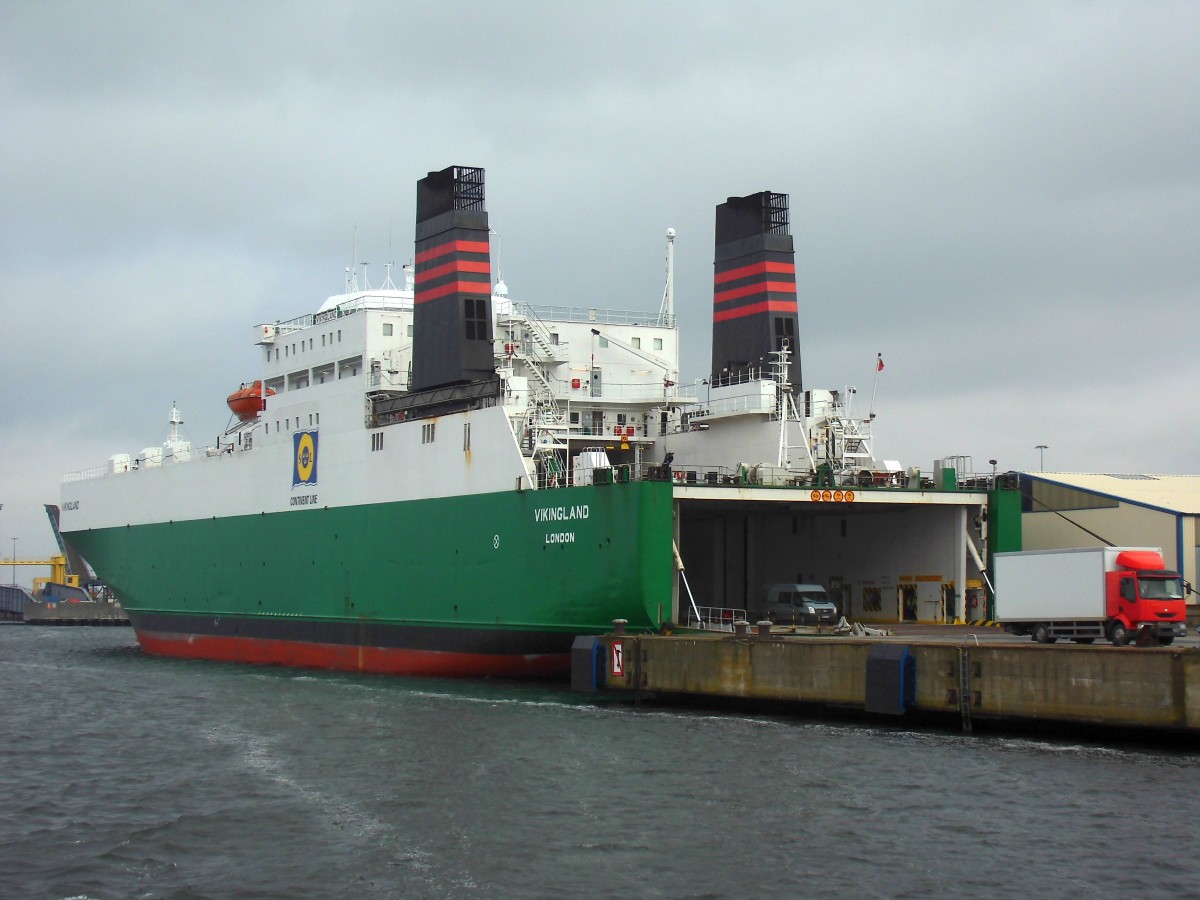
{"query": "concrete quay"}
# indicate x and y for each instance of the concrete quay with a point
(964, 675)
(64, 613)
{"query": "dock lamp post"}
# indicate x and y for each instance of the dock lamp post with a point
(1041, 449)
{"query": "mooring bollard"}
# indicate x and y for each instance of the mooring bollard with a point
(741, 627)
(619, 626)
(764, 628)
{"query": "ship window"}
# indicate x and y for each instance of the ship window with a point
(427, 432)
(310, 420)
(322, 340)
(339, 335)
(658, 343)
(266, 428)
(785, 330)
(377, 441)
(286, 353)
(574, 418)
(466, 436)
(318, 418)
(408, 331)
(554, 338)
(387, 329)
(475, 319)
(636, 343)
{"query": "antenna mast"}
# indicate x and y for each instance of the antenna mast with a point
(494, 233)
(666, 313)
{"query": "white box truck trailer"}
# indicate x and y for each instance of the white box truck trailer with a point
(1088, 593)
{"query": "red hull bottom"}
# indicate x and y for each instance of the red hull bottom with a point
(351, 658)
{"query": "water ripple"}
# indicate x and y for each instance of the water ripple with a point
(132, 776)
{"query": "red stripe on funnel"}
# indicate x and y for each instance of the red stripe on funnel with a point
(451, 247)
(762, 287)
(765, 306)
(758, 268)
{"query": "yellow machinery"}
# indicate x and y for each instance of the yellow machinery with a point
(58, 571)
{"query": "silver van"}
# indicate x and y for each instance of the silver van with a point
(800, 604)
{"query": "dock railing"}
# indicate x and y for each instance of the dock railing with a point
(715, 618)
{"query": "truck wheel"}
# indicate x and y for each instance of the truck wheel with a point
(1119, 634)
(1041, 633)
(1166, 640)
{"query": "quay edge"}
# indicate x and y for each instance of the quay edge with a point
(1148, 689)
(51, 613)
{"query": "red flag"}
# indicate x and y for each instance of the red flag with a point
(879, 363)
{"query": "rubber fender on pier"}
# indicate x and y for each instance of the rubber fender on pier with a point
(891, 679)
(588, 658)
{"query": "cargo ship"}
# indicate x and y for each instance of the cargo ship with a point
(434, 479)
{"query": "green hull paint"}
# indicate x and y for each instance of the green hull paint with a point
(474, 561)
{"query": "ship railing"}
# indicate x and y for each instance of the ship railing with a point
(729, 406)
(742, 376)
(749, 474)
(380, 379)
(85, 474)
(715, 618)
(645, 392)
(741, 475)
(299, 323)
(597, 315)
(649, 392)
(541, 341)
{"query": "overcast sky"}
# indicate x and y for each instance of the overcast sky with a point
(1002, 199)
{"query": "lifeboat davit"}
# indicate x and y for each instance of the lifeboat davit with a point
(247, 402)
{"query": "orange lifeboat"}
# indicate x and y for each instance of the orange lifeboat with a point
(247, 402)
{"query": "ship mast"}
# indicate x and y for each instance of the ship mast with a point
(666, 313)
(175, 421)
(786, 407)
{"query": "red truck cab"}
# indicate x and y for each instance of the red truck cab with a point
(1142, 594)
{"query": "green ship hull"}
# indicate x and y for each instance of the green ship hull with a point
(492, 584)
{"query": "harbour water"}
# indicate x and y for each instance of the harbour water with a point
(123, 775)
